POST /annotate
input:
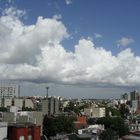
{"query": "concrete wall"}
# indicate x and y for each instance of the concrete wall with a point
(3, 130)
(8, 117)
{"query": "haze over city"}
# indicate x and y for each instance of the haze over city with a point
(79, 48)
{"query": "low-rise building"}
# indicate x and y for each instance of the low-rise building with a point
(18, 102)
(29, 103)
(81, 122)
(95, 112)
(24, 131)
(7, 102)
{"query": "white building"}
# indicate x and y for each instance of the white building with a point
(18, 102)
(9, 90)
(95, 112)
(7, 102)
(29, 103)
(134, 127)
(91, 129)
(134, 105)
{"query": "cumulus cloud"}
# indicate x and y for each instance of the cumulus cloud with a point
(97, 35)
(68, 2)
(35, 53)
(21, 43)
(124, 41)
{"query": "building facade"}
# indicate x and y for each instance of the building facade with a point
(95, 112)
(9, 91)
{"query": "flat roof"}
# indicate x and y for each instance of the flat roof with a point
(132, 137)
(22, 124)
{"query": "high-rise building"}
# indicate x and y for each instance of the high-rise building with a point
(9, 91)
(44, 106)
(134, 95)
(56, 106)
(53, 105)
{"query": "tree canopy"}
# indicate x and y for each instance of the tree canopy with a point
(115, 123)
(56, 125)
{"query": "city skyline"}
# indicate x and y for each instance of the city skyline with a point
(81, 49)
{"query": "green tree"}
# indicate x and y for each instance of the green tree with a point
(49, 127)
(72, 107)
(109, 134)
(124, 110)
(27, 109)
(3, 109)
(91, 121)
(115, 123)
(114, 111)
(54, 125)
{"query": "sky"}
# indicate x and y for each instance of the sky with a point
(80, 49)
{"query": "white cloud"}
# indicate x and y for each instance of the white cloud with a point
(8, 1)
(68, 2)
(13, 12)
(35, 53)
(97, 35)
(57, 17)
(21, 43)
(124, 41)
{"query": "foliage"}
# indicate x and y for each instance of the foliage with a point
(71, 107)
(91, 121)
(108, 134)
(75, 107)
(114, 111)
(27, 109)
(54, 125)
(3, 109)
(115, 123)
(85, 105)
(124, 110)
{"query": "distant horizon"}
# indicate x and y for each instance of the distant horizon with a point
(69, 91)
(36, 89)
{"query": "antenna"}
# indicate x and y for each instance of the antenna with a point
(47, 91)
(18, 91)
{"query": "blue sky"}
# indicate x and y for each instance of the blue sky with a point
(113, 19)
(111, 25)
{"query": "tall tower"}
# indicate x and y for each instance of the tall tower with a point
(47, 91)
